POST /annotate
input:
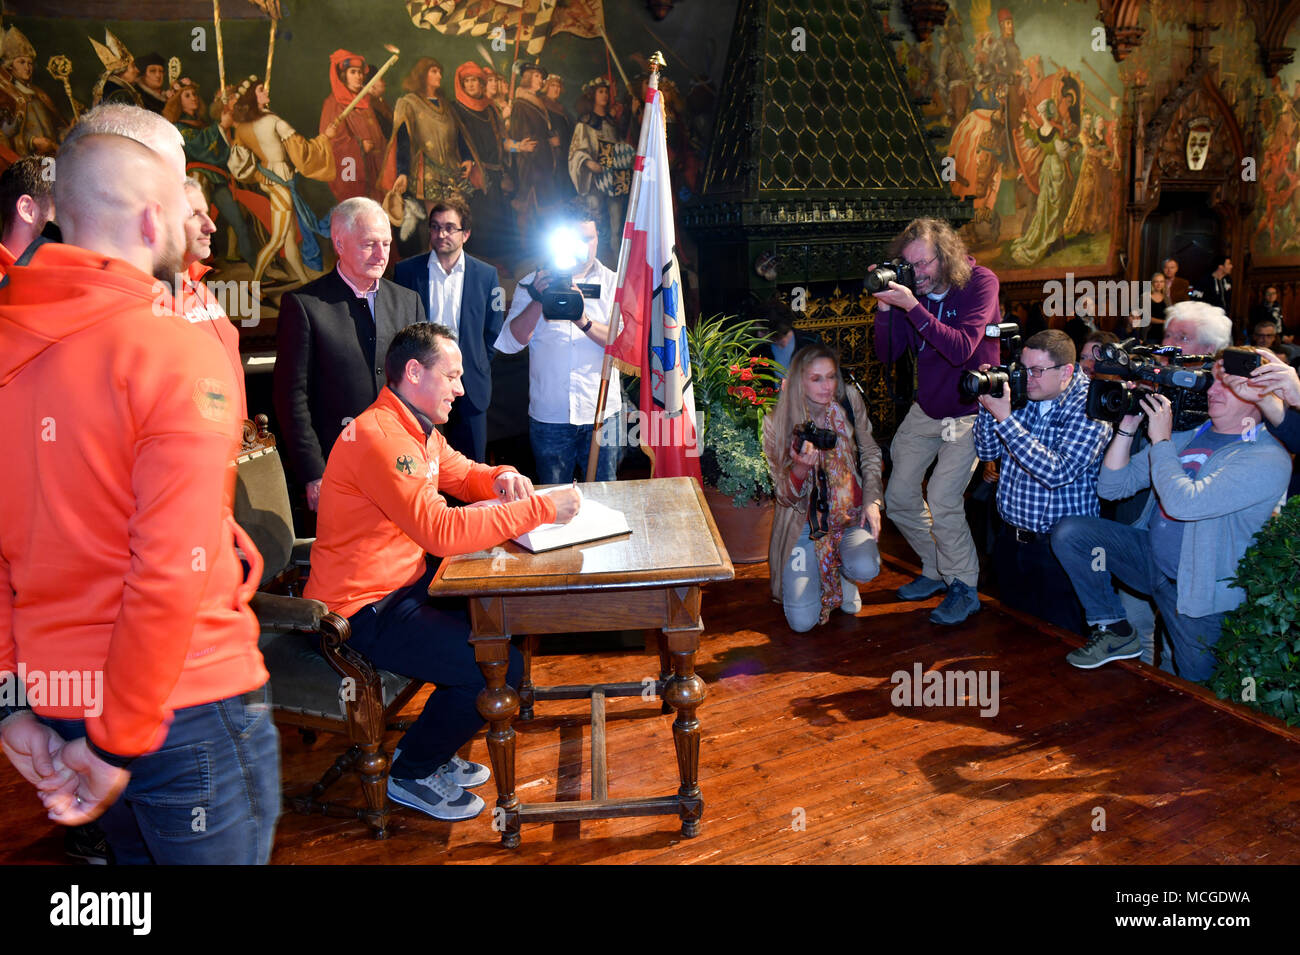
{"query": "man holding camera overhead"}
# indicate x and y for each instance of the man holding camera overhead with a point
(941, 315)
(1049, 451)
(564, 363)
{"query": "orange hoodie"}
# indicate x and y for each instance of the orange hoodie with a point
(200, 307)
(381, 511)
(117, 549)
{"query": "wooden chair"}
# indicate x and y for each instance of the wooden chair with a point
(318, 682)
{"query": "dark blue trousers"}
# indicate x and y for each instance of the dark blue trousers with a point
(409, 634)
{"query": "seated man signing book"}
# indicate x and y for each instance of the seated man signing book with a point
(381, 511)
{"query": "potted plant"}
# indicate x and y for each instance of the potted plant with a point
(734, 390)
(1259, 649)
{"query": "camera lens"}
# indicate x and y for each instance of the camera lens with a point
(878, 280)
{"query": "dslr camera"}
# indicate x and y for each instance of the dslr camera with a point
(562, 300)
(823, 439)
(1126, 372)
(1011, 373)
(897, 270)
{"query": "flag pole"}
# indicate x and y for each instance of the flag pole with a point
(657, 62)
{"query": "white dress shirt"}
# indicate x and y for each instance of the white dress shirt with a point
(563, 362)
(445, 290)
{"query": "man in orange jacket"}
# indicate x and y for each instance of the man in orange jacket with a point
(381, 511)
(128, 655)
(198, 305)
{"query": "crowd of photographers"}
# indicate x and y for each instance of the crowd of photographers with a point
(1131, 475)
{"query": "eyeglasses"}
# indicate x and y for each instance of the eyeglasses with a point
(438, 229)
(921, 265)
(1038, 372)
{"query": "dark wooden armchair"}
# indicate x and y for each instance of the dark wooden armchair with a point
(318, 682)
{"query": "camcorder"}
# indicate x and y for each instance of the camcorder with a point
(1011, 373)
(1126, 372)
(897, 270)
(562, 300)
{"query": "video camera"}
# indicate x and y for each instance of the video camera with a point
(1012, 373)
(562, 300)
(1126, 372)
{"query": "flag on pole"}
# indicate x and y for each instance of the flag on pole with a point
(652, 341)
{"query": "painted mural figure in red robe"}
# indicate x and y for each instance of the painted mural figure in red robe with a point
(358, 141)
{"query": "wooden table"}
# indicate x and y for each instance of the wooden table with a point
(647, 579)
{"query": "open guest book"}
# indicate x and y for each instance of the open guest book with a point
(594, 521)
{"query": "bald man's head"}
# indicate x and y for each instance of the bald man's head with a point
(119, 198)
(133, 122)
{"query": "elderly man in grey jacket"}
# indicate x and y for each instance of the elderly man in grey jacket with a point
(1214, 487)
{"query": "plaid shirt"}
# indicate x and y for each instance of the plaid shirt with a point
(1049, 462)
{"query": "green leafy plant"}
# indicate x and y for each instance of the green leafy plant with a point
(1259, 650)
(734, 391)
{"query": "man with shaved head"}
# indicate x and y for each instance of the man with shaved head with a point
(131, 686)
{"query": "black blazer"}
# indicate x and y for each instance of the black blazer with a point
(482, 313)
(329, 363)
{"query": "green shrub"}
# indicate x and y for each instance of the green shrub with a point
(1261, 637)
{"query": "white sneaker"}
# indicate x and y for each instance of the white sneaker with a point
(850, 599)
(457, 771)
(435, 797)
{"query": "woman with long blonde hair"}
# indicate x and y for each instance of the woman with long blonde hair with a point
(826, 473)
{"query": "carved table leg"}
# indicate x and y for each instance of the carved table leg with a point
(665, 670)
(685, 692)
(497, 704)
(526, 684)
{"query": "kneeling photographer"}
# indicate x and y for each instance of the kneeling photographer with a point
(1213, 486)
(1034, 422)
(826, 473)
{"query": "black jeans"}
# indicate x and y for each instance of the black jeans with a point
(428, 641)
(1032, 580)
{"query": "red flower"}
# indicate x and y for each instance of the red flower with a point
(734, 369)
(746, 375)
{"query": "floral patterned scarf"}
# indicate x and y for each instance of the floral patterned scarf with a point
(840, 464)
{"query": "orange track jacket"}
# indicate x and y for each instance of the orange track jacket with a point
(381, 511)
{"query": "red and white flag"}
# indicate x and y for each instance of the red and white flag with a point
(652, 341)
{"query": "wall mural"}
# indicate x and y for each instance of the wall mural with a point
(1027, 110)
(1275, 226)
(515, 108)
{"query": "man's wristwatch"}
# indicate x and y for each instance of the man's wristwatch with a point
(585, 327)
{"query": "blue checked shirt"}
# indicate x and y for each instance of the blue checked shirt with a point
(1049, 462)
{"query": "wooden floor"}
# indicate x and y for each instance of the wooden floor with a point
(805, 758)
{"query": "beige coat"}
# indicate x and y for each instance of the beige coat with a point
(792, 503)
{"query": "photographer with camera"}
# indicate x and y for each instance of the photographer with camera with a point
(826, 472)
(1049, 451)
(565, 357)
(945, 328)
(1275, 387)
(1213, 487)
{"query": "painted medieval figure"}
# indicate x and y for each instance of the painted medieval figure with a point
(117, 83)
(40, 126)
(484, 136)
(268, 151)
(207, 143)
(152, 82)
(600, 162)
(426, 145)
(535, 171)
(358, 140)
(562, 124)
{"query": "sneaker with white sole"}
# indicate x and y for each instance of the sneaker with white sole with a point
(850, 599)
(1105, 645)
(463, 773)
(436, 797)
(457, 771)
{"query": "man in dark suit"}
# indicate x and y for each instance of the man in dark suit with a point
(332, 338)
(463, 293)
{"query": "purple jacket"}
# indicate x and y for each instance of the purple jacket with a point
(948, 337)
